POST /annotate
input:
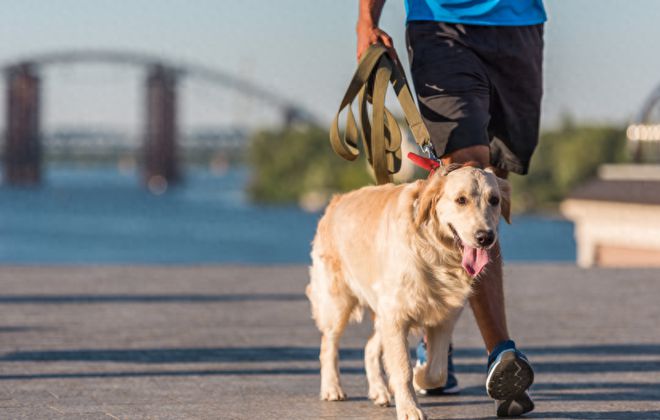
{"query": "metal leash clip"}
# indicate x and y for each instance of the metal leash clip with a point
(428, 149)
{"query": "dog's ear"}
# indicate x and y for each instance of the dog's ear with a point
(505, 200)
(430, 192)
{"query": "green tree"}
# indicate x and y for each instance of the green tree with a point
(287, 164)
(565, 158)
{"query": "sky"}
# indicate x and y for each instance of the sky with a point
(600, 61)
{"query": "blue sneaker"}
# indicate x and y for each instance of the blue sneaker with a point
(451, 387)
(509, 377)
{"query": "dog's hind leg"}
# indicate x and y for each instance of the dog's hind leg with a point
(373, 351)
(332, 307)
(329, 357)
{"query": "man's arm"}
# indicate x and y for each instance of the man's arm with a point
(367, 29)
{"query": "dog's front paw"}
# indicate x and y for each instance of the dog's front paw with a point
(422, 379)
(332, 392)
(380, 395)
(409, 412)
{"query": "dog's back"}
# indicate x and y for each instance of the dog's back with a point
(343, 243)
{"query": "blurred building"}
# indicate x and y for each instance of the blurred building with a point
(617, 215)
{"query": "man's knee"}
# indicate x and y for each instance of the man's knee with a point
(480, 154)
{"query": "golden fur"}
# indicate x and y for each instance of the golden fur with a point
(392, 249)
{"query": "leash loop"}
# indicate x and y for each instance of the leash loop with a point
(381, 134)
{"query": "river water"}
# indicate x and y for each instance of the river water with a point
(98, 215)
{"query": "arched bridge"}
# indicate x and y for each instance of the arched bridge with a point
(22, 146)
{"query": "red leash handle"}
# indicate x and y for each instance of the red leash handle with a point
(423, 162)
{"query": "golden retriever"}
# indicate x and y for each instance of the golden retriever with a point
(410, 254)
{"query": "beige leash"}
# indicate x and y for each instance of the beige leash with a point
(381, 136)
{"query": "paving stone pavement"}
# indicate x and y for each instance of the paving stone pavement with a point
(221, 342)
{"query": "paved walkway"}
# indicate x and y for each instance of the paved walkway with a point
(225, 342)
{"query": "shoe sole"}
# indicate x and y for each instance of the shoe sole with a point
(516, 407)
(509, 377)
(437, 392)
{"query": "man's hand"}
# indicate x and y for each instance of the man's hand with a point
(368, 32)
(369, 35)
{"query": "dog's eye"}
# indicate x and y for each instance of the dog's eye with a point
(461, 201)
(493, 201)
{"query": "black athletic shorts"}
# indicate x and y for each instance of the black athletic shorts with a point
(479, 85)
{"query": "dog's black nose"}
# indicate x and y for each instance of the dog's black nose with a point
(485, 237)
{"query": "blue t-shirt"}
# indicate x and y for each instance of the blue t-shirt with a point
(478, 12)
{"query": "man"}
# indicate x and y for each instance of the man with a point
(477, 69)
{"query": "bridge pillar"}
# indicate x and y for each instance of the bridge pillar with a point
(160, 157)
(289, 116)
(22, 161)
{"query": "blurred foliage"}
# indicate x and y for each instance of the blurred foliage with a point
(564, 158)
(289, 164)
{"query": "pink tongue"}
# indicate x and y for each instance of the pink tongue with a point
(474, 260)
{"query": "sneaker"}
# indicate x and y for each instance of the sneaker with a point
(451, 386)
(509, 372)
(509, 377)
(515, 407)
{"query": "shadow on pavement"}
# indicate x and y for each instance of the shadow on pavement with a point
(598, 391)
(19, 328)
(300, 353)
(632, 349)
(181, 355)
(587, 391)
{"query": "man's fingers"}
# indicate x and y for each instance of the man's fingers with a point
(387, 41)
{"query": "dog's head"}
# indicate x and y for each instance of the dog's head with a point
(466, 204)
